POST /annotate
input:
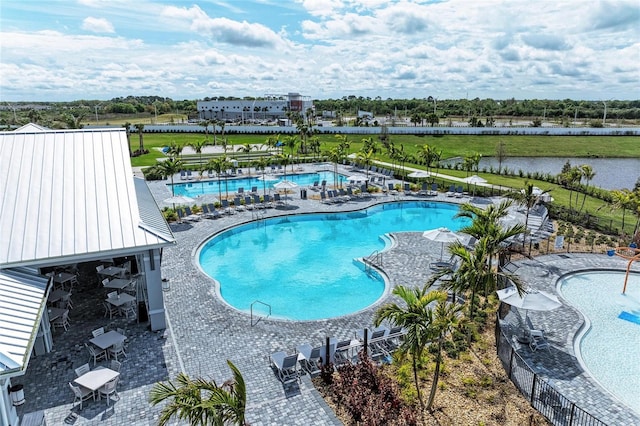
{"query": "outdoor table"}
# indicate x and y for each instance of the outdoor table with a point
(95, 379)
(120, 300)
(107, 339)
(118, 284)
(55, 313)
(56, 295)
(62, 278)
(111, 271)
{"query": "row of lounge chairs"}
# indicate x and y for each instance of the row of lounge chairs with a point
(380, 344)
(209, 211)
(342, 195)
(373, 169)
(455, 192)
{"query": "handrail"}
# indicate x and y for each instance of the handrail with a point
(259, 318)
(375, 258)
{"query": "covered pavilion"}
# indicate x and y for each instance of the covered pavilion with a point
(68, 197)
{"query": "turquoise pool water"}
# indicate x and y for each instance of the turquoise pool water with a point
(303, 266)
(610, 348)
(196, 188)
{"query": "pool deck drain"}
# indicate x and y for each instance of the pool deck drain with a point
(205, 333)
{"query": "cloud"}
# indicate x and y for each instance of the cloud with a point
(97, 25)
(223, 29)
(615, 15)
(545, 41)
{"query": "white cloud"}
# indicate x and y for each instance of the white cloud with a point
(97, 25)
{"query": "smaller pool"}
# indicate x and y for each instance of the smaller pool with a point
(610, 348)
(231, 185)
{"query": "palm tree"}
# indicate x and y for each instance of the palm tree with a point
(528, 198)
(218, 165)
(588, 174)
(198, 146)
(139, 128)
(335, 155)
(261, 164)
(415, 317)
(175, 149)
(169, 168)
(202, 402)
(444, 318)
(127, 128)
(291, 142)
(366, 158)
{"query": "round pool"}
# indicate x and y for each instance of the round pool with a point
(305, 267)
(610, 347)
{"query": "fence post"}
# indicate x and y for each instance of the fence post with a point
(511, 361)
(533, 387)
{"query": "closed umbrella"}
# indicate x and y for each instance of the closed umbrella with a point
(419, 174)
(356, 178)
(265, 179)
(442, 235)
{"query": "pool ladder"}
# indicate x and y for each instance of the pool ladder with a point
(374, 259)
(259, 317)
(257, 214)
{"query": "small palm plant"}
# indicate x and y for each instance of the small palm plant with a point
(202, 402)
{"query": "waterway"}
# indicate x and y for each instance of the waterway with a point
(610, 173)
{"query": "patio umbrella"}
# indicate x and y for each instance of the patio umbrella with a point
(356, 178)
(286, 185)
(442, 235)
(532, 299)
(179, 199)
(265, 179)
(475, 179)
(419, 174)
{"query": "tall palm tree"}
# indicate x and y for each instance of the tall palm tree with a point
(291, 142)
(366, 158)
(139, 128)
(218, 165)
(261, 164)
(528, 198)
(415, 317)
(198, 147)
(202, 402)
(169, 168)
(444, 318)
(587, 174)
(127, 128)
(335, 155)
(175, 149)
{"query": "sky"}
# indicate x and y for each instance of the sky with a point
(65, 50)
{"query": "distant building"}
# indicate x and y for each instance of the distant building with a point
(269, 108)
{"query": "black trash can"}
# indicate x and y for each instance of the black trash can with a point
(16, 393)
(303, 194)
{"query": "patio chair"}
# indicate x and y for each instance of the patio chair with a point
(80, 394)
(238, 205)
(191, 216)
(311, 361)
(323, 197)
(109, 310)
(392, 189)
(114, 365)
(189, 175)
(117, 349)
(96, 354)
(183, 175)
(128, 308)
(257, 203)
(226, 208)
(434, 190)
(539, 343)
(240, 192)
(112, 295)
(459, 192)
(83, 369)
(248, 204)
(407, 189)
(533, 332)
(65, 302)
(109, 389)
(277, 199)
(268, 202)
(62, 321)
(343, 353)
(286, 366)
(315, 186)
(451, 192)
(127, 270)
(98, 332)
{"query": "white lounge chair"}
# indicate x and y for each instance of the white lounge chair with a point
(311, 361)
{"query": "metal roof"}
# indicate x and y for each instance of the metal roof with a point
(69, 195)
(22, 296)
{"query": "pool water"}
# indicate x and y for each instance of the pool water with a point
(610, 349)
(303, 266)
(231, 185)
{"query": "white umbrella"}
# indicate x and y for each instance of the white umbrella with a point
(531, 299)
(352, 156)
(356, 178)
(179, 199)
(265, 179)
(286, 185)
(442, 235)
(474, 179)
(419, 174)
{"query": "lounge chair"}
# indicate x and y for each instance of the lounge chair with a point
(189, 175)
(392, 189)
(434, 190)
(226, 208)
(277, 199)
(539, 343)
(240, 192)
(311, 361)
(315, 186)
(257, 203)
(286, 366)
(534, 333)
(248, 204)
(559, 242)
(238, 205)
(267, 201)
(254, 190)
(344, 353)
(207, 213)
(213, 211)
(451, 192)
(323, 198)
(459, 192)
(183, 175)
(191, 216)
(364, 192)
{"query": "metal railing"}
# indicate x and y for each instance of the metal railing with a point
(375, 258)
(542, 395)
(259, 317)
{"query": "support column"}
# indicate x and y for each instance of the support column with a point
(8, 414)
(153, 279)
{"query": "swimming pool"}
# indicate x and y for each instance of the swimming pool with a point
(231, 185)
(610, 347)
(303, 266)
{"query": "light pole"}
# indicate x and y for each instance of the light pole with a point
(604, 116)
(432, 99)
(96, 110)
(155, 110)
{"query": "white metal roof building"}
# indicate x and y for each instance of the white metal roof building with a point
(67, 196)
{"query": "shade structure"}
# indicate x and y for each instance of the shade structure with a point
(419, 174)
(356, 178)
(531, 299)
(179, 199)
(474, 179)
(442, 235)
